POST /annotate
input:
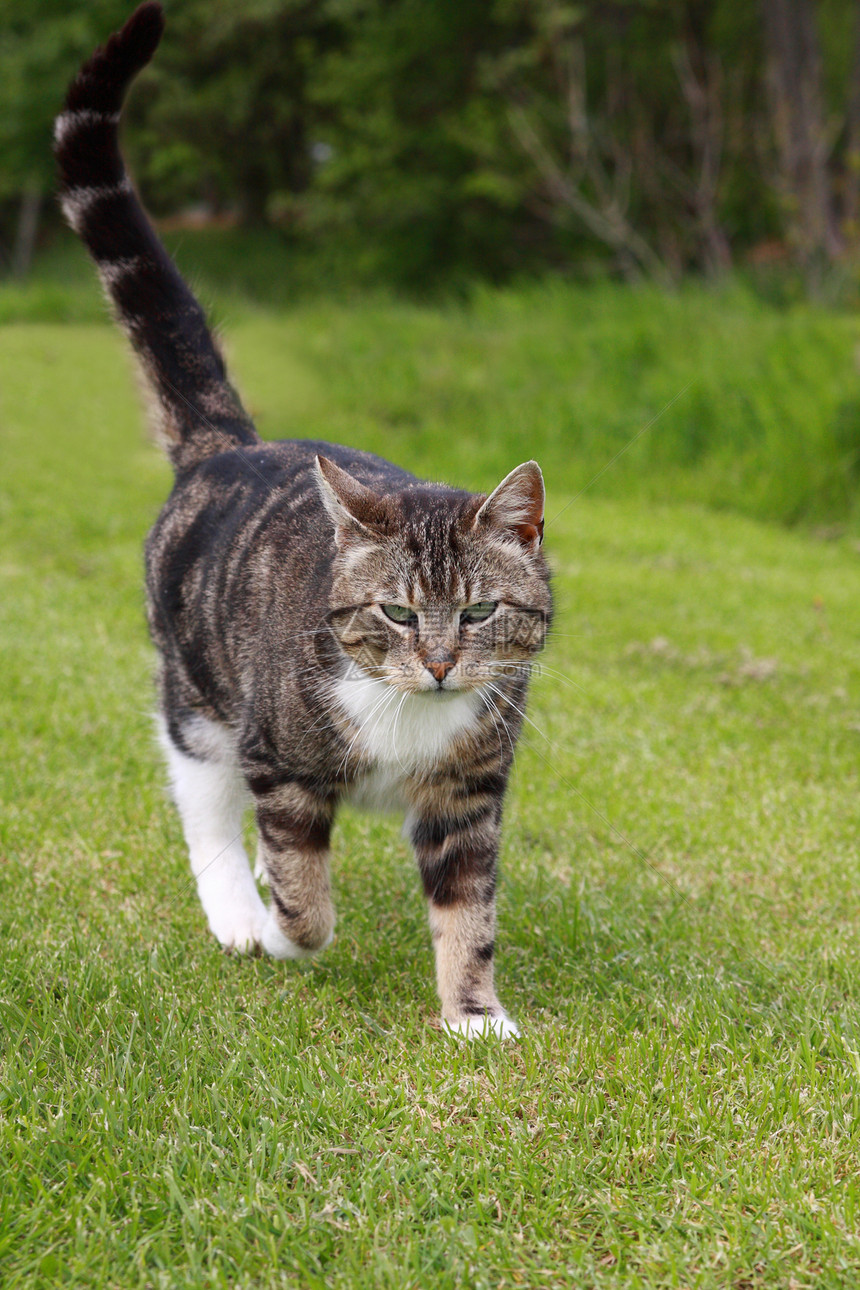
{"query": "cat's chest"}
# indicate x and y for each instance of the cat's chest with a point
(398, 734)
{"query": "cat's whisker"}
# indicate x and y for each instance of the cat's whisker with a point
(500, 724)
(491, 710)
(327, 719)
(342, 767)
(310, 669)
(542, 670)
(394, 732)
(520, 711)
(382, 710)
(578, 636)
(313, 631)
(524, 716)
(380, 706)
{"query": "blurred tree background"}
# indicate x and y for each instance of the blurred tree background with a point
(437, 140)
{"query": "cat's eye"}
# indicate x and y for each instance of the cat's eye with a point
(477, 613)
(400, 614)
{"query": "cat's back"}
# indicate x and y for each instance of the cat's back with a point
(250, 497)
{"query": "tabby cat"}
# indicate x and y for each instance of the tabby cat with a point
(328, 626)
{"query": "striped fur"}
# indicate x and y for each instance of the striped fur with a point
(200, 413)
(282, 680)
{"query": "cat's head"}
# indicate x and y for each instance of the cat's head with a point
(436, 590)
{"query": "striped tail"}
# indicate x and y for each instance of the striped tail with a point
(200, 413)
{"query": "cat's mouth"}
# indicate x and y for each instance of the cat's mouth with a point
(438, 692)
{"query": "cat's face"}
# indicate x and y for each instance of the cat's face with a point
(438, 592)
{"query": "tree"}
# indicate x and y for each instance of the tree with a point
(794, 76)
(43, 43)
(229, 116)
(449, 138)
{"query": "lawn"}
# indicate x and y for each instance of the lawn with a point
(681, 880)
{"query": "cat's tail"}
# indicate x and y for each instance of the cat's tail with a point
(199, 412)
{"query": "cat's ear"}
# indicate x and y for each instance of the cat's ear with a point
(355, 509)
(516, 506)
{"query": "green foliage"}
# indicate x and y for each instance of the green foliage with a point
(419, 144)
(443, 139)
(227, 116)
(43, 44)
(678, 913)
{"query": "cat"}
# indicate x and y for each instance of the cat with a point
(328, 626)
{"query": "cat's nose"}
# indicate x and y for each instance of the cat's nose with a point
(439, 667)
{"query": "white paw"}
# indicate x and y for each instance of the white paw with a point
(239, 924)
(483, 1027)
(280, 946)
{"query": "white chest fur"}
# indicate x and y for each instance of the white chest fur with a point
(400, 733)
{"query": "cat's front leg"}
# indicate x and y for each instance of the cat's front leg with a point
(211, 797)
(294, 824)
(457, 856)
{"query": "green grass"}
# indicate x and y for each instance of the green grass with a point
(742, 406)
(679, 911)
